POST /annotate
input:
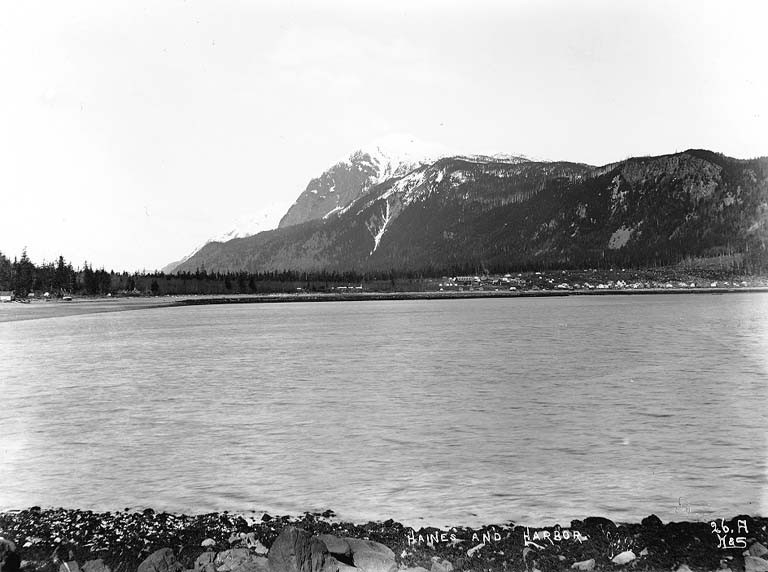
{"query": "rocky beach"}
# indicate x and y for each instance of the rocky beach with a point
(63, 540)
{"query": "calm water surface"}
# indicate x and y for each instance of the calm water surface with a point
(428, 412)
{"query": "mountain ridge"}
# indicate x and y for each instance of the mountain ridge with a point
(389, 156)
(353, 176)
(463, 212)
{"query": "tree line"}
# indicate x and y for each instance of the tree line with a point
(22, 276)
(61, 278)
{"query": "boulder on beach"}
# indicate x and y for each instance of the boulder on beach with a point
(599, 522)
(255, 544)
(652, 522)
(624, 557)
(357, 545)
(255, 564)
(240, 560)
(294, 550)
(371, 556)
(585, 565)
(368, 561)
(228, 560)
(205, 562)
(755, 564)
(97, 565)
(758, 550)
(12, 563)
(9, 559)
(162, 560)
(335, 545)
(441, 565)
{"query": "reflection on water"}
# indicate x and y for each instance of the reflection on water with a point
(441, 412)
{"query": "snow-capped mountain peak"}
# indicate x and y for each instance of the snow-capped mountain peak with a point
(397, 153)
(381, 159)
(406, 146)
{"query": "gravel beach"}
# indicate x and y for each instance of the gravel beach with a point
(61, 540)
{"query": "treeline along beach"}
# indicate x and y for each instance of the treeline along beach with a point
(23, 278)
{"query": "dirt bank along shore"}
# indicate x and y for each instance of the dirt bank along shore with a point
(60, 540)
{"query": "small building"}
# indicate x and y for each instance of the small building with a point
(6, 296)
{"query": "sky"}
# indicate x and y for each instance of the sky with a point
(132, 132)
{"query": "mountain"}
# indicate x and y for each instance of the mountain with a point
(390, 156)
(474, 213)
(171, 267)
(245, 226)
(385, 157)
(381, 159)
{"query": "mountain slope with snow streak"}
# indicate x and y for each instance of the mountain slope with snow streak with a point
(349, 179)
(372, 215)
(465, 214)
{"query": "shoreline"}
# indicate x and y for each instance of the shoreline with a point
(17, 312)
(451, 295)
(122, 540)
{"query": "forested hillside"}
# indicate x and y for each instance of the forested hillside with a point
(467, 213)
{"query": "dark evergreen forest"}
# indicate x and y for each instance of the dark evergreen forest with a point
(59, 279)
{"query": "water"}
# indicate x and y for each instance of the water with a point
(429, 412)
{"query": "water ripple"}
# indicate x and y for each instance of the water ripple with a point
(446, 412)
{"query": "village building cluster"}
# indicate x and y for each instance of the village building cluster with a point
(565, 280)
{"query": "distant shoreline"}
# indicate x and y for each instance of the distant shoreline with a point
(17, 312)
(448, 295)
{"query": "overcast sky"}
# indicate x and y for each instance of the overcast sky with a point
(131, 132)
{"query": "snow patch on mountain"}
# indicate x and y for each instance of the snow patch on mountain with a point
(459, 177)
(421, 183)
(334, 210)
(398, 153)
(385, 222)
(496, 158)
(408, 188)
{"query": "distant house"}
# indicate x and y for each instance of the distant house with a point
(6, 296)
